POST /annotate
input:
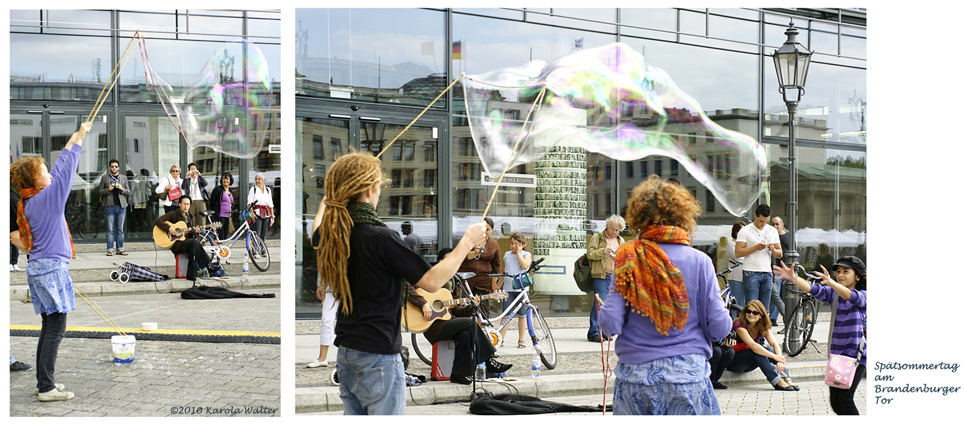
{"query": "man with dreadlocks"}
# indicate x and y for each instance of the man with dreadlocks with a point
(366, 263)
(45, 237)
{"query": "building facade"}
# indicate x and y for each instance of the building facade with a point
(362, 75)
(62, 62)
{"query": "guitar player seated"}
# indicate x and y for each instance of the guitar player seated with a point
(196, 256)
(463, 330)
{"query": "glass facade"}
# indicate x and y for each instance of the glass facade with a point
(720, 57)
(61, 62)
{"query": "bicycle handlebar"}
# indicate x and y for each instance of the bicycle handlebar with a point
(733, 265)
(532, 268)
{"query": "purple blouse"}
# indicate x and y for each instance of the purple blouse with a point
(226, 200)
(45, 211)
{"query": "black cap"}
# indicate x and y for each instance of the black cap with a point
(851, 262)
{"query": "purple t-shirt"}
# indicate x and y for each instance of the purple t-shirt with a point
(45, 211)
(707, 319)
(226, 200)
(849, 325)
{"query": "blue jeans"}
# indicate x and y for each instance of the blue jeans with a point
(756, 286)
(600, 286)
(746, 361)
(776, 301)
(261, 227)
(115, 224)
(371, 384)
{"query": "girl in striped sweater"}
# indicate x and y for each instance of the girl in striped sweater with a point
(850, 324)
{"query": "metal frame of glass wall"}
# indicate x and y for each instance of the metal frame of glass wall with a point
(720, 37)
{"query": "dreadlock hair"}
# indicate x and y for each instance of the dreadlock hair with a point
(347, 179)
(25, 172)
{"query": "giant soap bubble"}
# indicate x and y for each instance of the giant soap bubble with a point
(607, 100)
(228, 108)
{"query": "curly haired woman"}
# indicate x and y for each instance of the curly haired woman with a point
(43, 233)
(665, 308)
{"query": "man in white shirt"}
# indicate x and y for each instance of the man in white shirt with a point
(756, 242)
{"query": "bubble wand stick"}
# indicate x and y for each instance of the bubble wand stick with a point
(515, 149)
(112, 79)
(419, 115)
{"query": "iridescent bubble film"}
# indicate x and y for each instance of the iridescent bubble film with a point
(607, 100)
(228, 108)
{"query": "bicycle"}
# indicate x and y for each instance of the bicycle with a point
(78, 218)
(218, 250)
(802, 319)
(538, 328)
(728, 298)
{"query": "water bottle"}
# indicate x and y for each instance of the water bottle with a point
(244, 266)
(536, 361)
(480, 372)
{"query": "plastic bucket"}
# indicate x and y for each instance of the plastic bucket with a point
(123, 348)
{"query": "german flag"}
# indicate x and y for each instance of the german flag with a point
(457, 50)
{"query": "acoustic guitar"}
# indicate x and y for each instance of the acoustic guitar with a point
(166, 240)
(439, 302)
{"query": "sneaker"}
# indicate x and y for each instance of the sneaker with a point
(495, 367)
(58, 386)
(460, 379)
(16, 267)
(316, 364)
(55, 395)
(11, 268)
(19, 367)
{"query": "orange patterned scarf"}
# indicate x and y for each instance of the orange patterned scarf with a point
(26, 236)
(649, 281)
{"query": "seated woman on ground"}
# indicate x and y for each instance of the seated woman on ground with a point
(752, 327)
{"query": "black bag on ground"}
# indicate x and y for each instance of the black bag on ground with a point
(524, 404)
(205, 292)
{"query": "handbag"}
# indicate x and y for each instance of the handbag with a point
(174, 193)
(521, 281)
(582, 273)
(841, 369)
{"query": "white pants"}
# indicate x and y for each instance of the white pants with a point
(329, 312)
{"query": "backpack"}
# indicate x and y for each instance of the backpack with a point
(582, 273)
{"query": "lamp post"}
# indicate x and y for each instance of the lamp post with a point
(791, 62)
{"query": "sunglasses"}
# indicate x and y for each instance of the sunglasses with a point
(748, 312)
(114, 166)
(175, 170)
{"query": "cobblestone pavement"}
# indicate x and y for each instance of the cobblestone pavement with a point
(167, 378)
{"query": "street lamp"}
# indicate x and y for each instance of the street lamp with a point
(791, 62)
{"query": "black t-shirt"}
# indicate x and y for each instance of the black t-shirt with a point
(785, 246)
(14, 199)
(378, 264)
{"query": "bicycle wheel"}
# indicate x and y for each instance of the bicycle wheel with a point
(211, 248)
(547, 347)
(799, 328)
(810, 316)
(422, 348)
(258, 252)
(734, 308)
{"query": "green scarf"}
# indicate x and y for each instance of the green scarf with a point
(364, 213)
